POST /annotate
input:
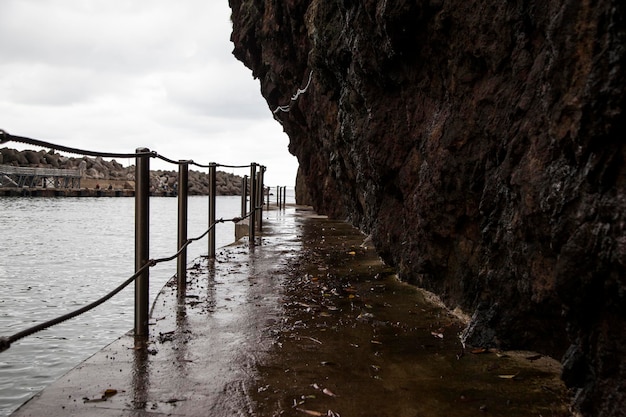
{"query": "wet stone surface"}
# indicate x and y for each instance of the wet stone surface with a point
(308, 322)
(354, 341)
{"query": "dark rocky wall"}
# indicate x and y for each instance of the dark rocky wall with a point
(482, 145)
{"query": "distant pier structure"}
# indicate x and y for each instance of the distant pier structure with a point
(20, 177)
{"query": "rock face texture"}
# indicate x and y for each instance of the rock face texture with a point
(482, 145)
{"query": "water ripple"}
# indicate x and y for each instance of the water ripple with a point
(61, 253)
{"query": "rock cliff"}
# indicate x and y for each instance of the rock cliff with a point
(481, 144)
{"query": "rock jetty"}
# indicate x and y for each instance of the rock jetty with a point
(98, 173)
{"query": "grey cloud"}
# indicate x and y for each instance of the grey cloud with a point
(128, 73)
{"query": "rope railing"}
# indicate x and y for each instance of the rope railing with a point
(233, 166)
(190, 241)
(5, 342)
(6, 137)
(142, 260)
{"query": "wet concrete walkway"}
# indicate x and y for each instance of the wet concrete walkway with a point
(306, 323)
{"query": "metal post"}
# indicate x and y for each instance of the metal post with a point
(244, 195)
(260, 197)
(284, 196)
(251, 220)
(142, 241)
(278, 196)
(181, 266)
(212, 190)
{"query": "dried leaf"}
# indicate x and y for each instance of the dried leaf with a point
(310, 412)
(509, 376)
(479, 351)
(352, 253)
(313, 339)
(365, 316)
(329, 392)
(437, 335)
(109, 393)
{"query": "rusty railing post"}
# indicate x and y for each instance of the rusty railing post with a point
(142, 240)
(212, 190)
(244, 195)
(260, 198)
(252, 218)
(282, 196)
(181, 262)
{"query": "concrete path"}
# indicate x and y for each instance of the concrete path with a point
(202, 351)
(308, 322)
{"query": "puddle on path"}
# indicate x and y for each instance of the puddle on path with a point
(354, 341)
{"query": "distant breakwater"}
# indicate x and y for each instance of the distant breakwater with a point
(72, 192)
(107, 178)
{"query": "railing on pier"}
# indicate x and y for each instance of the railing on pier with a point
(252, 187)
(28, 177)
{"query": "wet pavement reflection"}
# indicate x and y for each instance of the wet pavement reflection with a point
(354, 341)
(307, 322)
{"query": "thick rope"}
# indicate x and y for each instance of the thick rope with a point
(6, 137)
(5, 342)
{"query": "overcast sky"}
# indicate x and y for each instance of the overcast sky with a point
(116, 75)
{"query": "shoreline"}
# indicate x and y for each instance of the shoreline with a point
(85, 192)
(68, 192)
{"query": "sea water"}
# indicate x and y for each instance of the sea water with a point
(59, 254)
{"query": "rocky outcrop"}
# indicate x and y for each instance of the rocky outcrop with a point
(302, 193)
(105, 172)
(481, 144)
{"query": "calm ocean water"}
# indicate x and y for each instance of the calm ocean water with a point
(58, 254)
